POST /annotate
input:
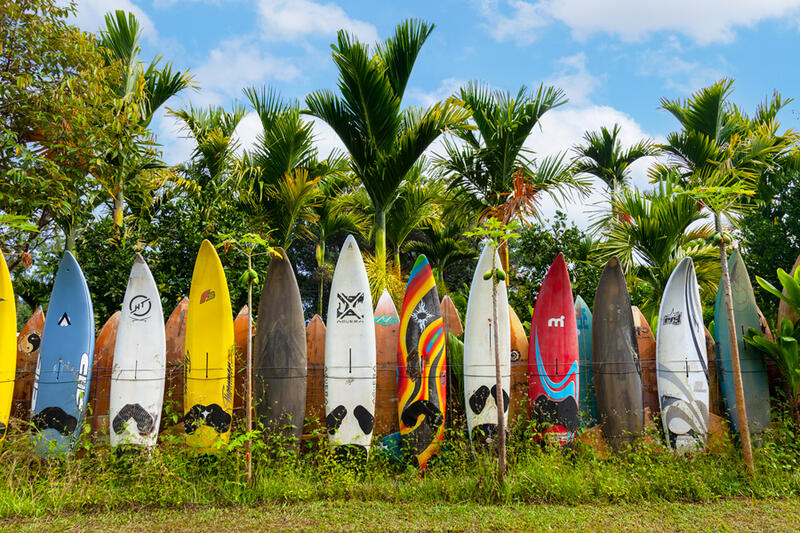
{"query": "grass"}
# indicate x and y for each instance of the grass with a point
(649, 487)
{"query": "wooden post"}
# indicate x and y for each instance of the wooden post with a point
(249, 376)
(501, 426)
(741, 410)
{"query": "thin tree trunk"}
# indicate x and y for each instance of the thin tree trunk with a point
(380, 247)
(741, 410)
(501, 425)
(70, 242)
(320, 253)
(249, 376)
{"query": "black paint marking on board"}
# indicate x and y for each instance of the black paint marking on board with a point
(64, 321)
(54, 418)
(144, 420)
(478, 399)
(335, 418)
(140, 306)
(365, 419)
(347, 307)
(210, 415)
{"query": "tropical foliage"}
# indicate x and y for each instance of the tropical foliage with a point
(601, 155)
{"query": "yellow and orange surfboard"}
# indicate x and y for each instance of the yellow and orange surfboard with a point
(8, 345)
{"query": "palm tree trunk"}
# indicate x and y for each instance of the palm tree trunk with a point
(741, 411)
(397, 260)
(119, 200)
(501, 426)
(380, 246)
(320, 253)
(70, 239)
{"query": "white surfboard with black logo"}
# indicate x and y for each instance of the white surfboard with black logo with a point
(350, 357)
(681, 361)
(140, 358)
(480, 378)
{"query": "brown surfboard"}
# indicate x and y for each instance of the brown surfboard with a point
(100, 386)
(784, 311)
(387, 331)
(28, 342)
(240, 363)
(176, 346)
(518, 404)
(716, 404)
(315, 386)
(647, 358)
(455, 414)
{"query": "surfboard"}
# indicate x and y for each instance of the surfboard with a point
(63, 374)
(209, 364)
(518, 408)
(586, 394)
(240, 362)
(553, 359)
(350, 357)
(480, 382)
(100, 390)
(175, 331)
(754, 371)
(784, 311)
(455, 366)
(315, 384)
(681, 358)
(421, 366)
(387, 336)
(646, 342)
(140, 362)
(280, 353)
(28, 342)
(716, 405)
(8, 345)
(617, 377)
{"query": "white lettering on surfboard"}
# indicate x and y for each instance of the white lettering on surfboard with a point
(83, 374)
(556, 322)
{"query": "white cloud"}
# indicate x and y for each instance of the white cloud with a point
(290, 20)
(325, 138)
(91, 16)
(247, 132)
(576, 81)
(706, 21)
(176, 143)
(685, 76)
(447, 88)
(239, 63)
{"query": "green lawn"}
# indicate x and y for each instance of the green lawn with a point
(724, 515)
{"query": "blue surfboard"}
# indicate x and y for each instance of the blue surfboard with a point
(63, 374)
(588, 406)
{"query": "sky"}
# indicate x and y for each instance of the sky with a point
(614, 59)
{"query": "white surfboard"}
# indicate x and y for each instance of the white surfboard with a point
(681, 368)
(350, 356)
(480, 381)
(140, 359)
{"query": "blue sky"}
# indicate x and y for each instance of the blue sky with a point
(613, 59)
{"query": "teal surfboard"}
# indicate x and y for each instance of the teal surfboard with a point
(588, 405)
(754, 371)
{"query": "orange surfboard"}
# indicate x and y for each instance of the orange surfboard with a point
(315, 386)
(240, 364)
(28, 342)
(647, 358)
(387, 333)
(716, 404)
(175, 329)
(518, 406)
(452, 321)
(100, 386)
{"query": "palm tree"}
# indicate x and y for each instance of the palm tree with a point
(492, 171)
(651, 232)
(444, 246)
(383, 139)
(602, 156)
(719, 154)
(281, 175)
(209, 175)
(145, 89)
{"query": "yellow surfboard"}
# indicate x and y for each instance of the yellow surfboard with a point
(8, 345)
(209, 364)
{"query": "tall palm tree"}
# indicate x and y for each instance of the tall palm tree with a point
(383, 139)
(281, 175)
(720, 153)
(145, 88)
(651, 232)
(492, 171)
(601, 155)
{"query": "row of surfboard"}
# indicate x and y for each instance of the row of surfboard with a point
(580, 367)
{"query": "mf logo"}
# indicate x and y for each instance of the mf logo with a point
(556, 322)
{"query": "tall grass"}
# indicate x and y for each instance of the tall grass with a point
(98, 478)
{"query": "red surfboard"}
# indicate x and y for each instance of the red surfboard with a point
(553, 357)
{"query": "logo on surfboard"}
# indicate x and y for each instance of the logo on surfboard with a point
(673, 318)
(386, 320)
(207, 295)
(140, 306)
(64, 321)
(348, 308)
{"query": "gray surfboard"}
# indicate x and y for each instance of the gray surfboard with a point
(615, 360)
(279, 360)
